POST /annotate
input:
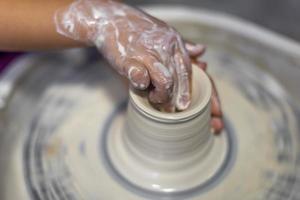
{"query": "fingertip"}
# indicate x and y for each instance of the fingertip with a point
(195, 50)
(217, 125)
(183, 102)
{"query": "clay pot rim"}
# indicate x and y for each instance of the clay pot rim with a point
(137, 98)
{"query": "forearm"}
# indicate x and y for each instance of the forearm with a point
(29, 25)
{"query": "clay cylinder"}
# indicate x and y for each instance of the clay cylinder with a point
(169, 136)
(168, 152)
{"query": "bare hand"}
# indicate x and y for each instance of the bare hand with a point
(149, 52)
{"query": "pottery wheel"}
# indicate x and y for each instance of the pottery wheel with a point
(57, 120)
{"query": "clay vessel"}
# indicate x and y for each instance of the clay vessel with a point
(168, 152)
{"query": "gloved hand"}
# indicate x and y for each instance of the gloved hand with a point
(149, 52)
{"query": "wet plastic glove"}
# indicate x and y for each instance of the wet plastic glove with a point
(144, 49)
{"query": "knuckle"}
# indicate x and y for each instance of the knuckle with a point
(165, 82)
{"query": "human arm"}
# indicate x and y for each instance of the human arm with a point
(144, 49)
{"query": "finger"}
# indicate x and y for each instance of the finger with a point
(137, 74)
(183, 84)
(194, 50)
(161, 79)
(215, 106)
(215, 101)
(217, 125)
(217, 122)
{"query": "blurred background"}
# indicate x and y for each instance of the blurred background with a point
(282, 16)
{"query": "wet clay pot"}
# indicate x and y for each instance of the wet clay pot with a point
(168, 152)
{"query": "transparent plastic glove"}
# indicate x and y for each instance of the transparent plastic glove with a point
(150, 53)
